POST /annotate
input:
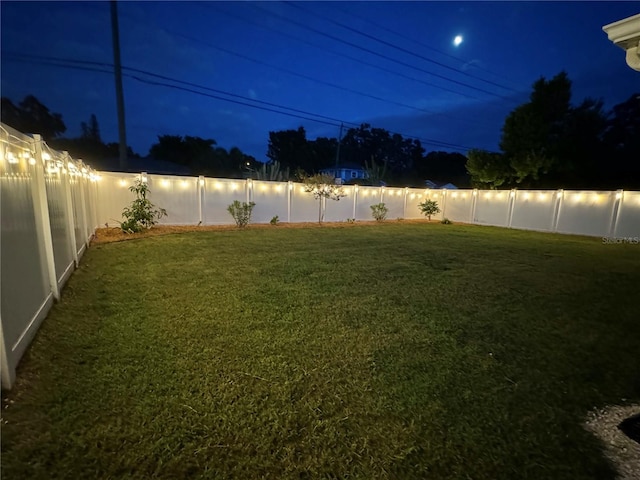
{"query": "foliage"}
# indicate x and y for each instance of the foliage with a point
(443, 167)
(379, 211)
(274, 220)
(351, 220)
(203, 156)
(446, 221)
(141, 214)
(270, 171)
(488, 169)
(241, 212)
(322, 187)
(31, 116)
(374, 173)
(428, 208)
(547, 142)
(318, 360)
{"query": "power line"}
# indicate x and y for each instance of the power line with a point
(354, 59)
(373, 52)
(94, 67)
(404, 50)
(424, 45)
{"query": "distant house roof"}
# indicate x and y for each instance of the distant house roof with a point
(432, 184)
(136, 165)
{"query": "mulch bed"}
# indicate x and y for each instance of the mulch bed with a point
(115, 234)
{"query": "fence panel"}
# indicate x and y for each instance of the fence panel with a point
(340, 210)
(58, 217)
(457, 205)
(628, 224)
(271, 199)
(367, 196)
(218, 195)
(534, 210)
(492, 207)
(113, 196)
(393, 198)
(304, 208)
(586, 213)
(179, 196)
(414, 197)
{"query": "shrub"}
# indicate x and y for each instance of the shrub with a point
(141, 213)
(351, 220)
(428, 208)
(446, 221)
(379, 211)
(274, 220)
(241, 212)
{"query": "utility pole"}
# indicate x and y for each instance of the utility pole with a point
(122, 131)
(338, 149)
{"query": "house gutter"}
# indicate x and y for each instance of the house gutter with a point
(626, 35)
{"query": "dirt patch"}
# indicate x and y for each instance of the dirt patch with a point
(623, 452)
(115, 234)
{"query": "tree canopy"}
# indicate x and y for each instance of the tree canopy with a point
(550, 143)
(31, 116)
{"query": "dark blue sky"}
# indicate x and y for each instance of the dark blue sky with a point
(406, 76)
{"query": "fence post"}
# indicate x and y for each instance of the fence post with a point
(43, 222)
(355, 200)
(404, 203)
(7, 367)
(556, 210)
(512, 201)
(249, 189)
(68, 205)
(443, 194)
(474, 202)
(289, 193)
(82, 212)
(615, 212)
(200, 189)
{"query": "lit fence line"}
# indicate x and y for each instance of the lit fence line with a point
(51, 206)
(204, 201)
(48, 218)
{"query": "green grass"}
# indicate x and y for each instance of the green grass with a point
(384, 351)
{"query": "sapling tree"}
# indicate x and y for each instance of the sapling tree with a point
(322, 186)
(141, 213)
(428, 208)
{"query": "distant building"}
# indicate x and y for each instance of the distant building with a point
(345, 172)
(437, 186)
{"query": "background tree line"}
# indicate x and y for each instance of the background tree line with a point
(547, 142)
(398, 160)
(201, 156)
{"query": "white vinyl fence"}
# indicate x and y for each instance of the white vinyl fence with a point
(48, 217)
(200, 200)
(51, 206)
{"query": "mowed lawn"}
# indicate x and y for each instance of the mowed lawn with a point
(403, 351)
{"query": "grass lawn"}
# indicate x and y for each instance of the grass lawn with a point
(406, 351)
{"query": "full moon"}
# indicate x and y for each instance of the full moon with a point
(457, 40)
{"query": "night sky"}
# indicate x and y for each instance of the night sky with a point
(391, 64)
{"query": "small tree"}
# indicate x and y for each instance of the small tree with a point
(379, 211)
(322, 186)
(241, 212)
(428, 208)
(141, 213)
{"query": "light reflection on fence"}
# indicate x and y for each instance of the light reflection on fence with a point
(51, 206)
